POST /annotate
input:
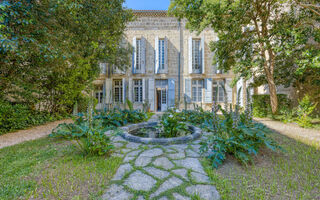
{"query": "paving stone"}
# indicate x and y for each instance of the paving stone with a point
(140, 198)
(132, 145)
(140, 181)
(125, 150)
(206, 192)
(161, 174)
(118, 138)
(191, 163)
(122, 170)
(164, 198)
(116, 192)
(181, 172)
(196, 147)
(179, 148)
(134, 153)
(180, 197)
(128, 159)
(193, 154)
(163, 162)
(152, 152)
(118, 145)
(117, 155)
(201, 178)
(169, 150)
(178, 155)
(142, 161)
(167, 185)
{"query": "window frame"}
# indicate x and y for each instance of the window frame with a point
(138, 63)
(197, 86)
(137, 90)
(118, 86)
(196, 56)
(161, 58)
(99, 94)
(217, 88)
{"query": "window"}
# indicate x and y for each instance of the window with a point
(103, 68)
(196, 56)
(218, 91)
(118, 91)
(197, 86)
(161, 54)
(99, 93)
(138, 56)
(137, 90)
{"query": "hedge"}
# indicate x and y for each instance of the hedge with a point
(261, 104)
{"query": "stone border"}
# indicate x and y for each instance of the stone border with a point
(177, 140)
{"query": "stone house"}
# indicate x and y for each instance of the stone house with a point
(171, 67)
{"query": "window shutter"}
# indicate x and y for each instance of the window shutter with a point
(134, 54)
(208, 90)
(202, 55)
(239, 92)
(143, 55)
(218, 71)
(151, 94)
(156, 47)
(108, 88)
(130, 88)
(171, 92)
(190, 54)
(123, 90)
(229, 89)
(143, 90)
(103, 68)
(187, 92)
(166, 55)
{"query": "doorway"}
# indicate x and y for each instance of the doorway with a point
(162, 94)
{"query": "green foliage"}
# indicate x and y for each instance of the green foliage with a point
(171, 125)
(19, 116)
(50, 50)
(304, 110)
(261, 104)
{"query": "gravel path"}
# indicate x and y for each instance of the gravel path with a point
(306, 135)
(17, 137)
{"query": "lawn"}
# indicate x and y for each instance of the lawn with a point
(294, 174)
(53, 169)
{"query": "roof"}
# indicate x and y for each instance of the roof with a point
(150, 13)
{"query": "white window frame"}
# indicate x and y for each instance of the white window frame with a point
(138, 64)
(118, 90)
(197, 90)
(162, 61)
(137, 90)
(196, 56)
(99, 94)
(217, 88)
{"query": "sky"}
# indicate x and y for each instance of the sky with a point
(147, 4)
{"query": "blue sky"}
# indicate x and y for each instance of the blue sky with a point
(147, 4)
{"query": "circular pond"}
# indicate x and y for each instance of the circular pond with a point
(147, 133)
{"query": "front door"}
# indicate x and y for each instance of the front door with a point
(162, 99)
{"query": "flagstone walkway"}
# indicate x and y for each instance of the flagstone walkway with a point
(160, 173)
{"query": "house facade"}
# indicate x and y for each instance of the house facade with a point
(171, 67)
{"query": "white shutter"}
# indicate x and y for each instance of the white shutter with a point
(108, 88)
(218, 71)
(239, 92)
(202, 55)
(123, 90)
(143, 90)
(151, 94)
(208, 90)
(190, 54)
(134, 57)
(103, 68)
(166, 55)
(130, 88)
(229, 89)
(143, 55)
(156, 47)
(187, 91)
(171, 92)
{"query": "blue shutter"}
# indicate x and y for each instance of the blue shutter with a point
(156, 47)
(187, 92)
(134, 44)
(171, 93)
(208, 90)
(202, 53)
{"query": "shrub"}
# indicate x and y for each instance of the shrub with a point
(304, 110)
(261, 104)
(18, 116)
(171, 125)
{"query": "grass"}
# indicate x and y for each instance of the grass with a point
(293, 174)
(53, 169)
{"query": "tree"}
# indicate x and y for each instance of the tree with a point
(50, 49)
(252, 34)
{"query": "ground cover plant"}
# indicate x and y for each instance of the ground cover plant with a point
(170, 125)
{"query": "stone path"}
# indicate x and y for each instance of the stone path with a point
(160, 173)
(33, 133)
(306, 135)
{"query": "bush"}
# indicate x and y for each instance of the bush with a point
(261, 104)
(18, 116)
(171, 126)
(304, 110)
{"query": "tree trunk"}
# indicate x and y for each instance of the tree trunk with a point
(273, 95)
